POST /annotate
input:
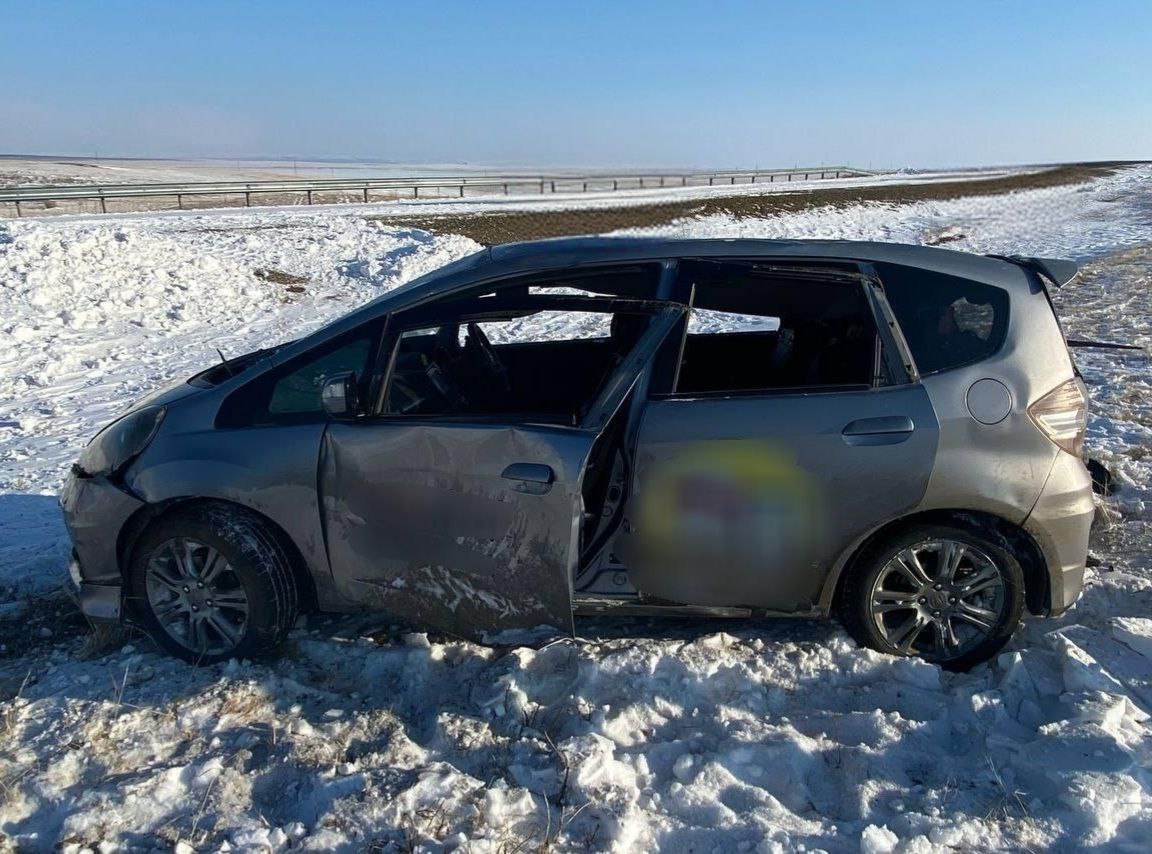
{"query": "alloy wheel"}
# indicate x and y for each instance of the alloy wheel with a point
(938, 599)
(196, 596)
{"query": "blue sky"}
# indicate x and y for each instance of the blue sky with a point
(581, 83)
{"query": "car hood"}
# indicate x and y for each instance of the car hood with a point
(164, 395)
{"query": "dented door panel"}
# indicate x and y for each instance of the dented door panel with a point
(469, 528)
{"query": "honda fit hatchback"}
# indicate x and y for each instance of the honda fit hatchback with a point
(889, 434)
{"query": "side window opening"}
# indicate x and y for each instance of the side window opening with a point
(751, 332)
(947, 321)
(539, 346)
(542, 363)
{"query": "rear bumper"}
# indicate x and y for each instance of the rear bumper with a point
(1060, 523)
(95, 512)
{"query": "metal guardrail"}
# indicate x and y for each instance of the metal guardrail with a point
(458, 184)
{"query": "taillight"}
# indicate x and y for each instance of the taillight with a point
(1062, 415)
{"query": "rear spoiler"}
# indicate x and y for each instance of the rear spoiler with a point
(1058, 271)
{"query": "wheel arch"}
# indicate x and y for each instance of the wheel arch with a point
(150, 514)
(1024, 547)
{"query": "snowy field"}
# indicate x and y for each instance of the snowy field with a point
(570, 190)
(636, 735)
(24, 171)
(16, 171)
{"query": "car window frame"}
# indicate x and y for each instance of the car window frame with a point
(898, 373)
(425, 316)
(896, 352)
(256, 411)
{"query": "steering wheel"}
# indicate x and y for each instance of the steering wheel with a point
(488, 357)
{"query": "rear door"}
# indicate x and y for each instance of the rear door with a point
(790, 427)
(469, 526)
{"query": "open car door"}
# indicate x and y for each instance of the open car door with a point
(468, 526)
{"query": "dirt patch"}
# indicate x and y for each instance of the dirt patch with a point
(264, 226)
(279, 277)
(945, 237)
(492, 228)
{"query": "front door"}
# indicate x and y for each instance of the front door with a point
(467, 524)
(466, 527)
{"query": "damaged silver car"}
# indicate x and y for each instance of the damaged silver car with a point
(889, 434)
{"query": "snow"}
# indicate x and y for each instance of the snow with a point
(38, 172)
(1077, 221)
(571, 191)
(635, 735)
(96, 314)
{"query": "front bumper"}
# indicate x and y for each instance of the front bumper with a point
(95, 511)
(1060, 523)
(97, 601)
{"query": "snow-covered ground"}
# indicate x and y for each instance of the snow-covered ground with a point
(24, 171)
(567, 187)
(18, 171)
(636, 735)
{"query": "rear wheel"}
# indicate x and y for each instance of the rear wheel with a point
(948, 594)
(211, 583)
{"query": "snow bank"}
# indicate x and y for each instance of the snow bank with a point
(1078, 221)
(712, 737)
(95, 314)
(638, 735)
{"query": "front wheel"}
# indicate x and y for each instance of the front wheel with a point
(211, 583)
(948, 594)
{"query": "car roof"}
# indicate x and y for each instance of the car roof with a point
(583, 250)
(559, 253)
(511, 259)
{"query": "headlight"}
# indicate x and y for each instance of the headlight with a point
(120, 441)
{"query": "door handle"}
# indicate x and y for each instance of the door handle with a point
(885, 430)
(533, 478)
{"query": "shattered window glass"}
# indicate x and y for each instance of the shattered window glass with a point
(973, 317)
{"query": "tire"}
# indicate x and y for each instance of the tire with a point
(189, 556)
(887, 606)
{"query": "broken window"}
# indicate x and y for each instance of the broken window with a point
(545, 326)
(758, 329)
(540, 362)
(539, 347)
